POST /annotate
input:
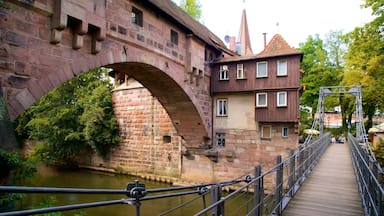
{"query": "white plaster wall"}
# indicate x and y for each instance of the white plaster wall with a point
(241, 112)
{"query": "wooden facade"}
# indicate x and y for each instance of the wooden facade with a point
(271, 84)
(251, 82)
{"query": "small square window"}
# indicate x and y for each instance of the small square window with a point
(167, 139)
(281, 99)
(282, 68)
(262, 69)
(261, 100)
(284, 132)
(224, 72)
(174, 37)
(266, 131)
(220, 139)
(240, 72)
(222, 107)
(137, 17)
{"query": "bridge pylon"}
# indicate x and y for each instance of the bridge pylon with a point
(318, 123)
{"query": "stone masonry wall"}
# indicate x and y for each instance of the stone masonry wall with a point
(149, 143)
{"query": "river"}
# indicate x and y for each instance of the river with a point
(53, 177)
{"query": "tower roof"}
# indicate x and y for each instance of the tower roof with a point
(277, 47)
(243, 38)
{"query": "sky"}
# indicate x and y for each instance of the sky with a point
(297, 19)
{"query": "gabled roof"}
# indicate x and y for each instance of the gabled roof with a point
(243, 37)
(277, 47)
(178, 16)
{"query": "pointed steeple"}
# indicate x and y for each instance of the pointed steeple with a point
(243, 38)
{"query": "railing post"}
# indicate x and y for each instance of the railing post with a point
(257, 192)
(215, 197)
(300, 163)
(291, 176)
(279, 185)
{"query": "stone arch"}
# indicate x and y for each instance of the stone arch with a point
(168, 85)
(179, 105)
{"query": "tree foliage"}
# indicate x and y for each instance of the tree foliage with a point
(192, 7)
(73, 117)
(364, 60)
(320, 67)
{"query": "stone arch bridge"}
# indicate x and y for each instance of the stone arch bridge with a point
(44, 43)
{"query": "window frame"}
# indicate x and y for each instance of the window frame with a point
(283, 130)
(240, 72)
(137, 17)
(257, 69)
(219, 104)
(220, 139)
(224, 71)
(258, 101)
(278, 73)
(174, 37)
(262, 132)
(278, 99)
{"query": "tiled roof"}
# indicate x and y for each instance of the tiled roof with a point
(186, 21)
(277, 47)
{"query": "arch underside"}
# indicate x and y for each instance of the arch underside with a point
(185, 117)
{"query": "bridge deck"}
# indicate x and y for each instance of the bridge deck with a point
(331, 189)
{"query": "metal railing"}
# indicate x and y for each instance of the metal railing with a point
(369, 176)
(287, 175)
(265, 193)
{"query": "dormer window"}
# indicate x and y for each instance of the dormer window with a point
(282, 68)
(261, 69)
(240, 72)
(224, 72)
(137, 17)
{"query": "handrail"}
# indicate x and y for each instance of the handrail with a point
(288, 176)
(305, 156)
(367, 171)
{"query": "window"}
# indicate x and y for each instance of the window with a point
(174, 37)
(137, 17)
(222, 107)
(284, 132)
(261, 99)
(282, 68)
(262, 69)
(220, 139)
(224, 72)
(281, 99)
(266, 131)
(240, 71)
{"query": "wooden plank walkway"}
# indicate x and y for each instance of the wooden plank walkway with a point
(331, 188)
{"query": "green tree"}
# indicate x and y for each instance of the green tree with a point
(192, 7)
(317, 70)
(72, 118)
(365, 57)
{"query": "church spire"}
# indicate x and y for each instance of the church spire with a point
(244, 43)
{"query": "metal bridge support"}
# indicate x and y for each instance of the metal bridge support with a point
(325, 91)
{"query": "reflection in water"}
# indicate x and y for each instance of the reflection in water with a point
(50, 177)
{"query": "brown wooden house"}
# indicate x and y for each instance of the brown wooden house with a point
(256, 101)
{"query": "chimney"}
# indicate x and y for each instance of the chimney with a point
(232, 43)
(265, 39)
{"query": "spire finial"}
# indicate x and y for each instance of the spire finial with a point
(277, 27)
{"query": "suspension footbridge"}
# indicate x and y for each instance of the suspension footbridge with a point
(316, 178)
